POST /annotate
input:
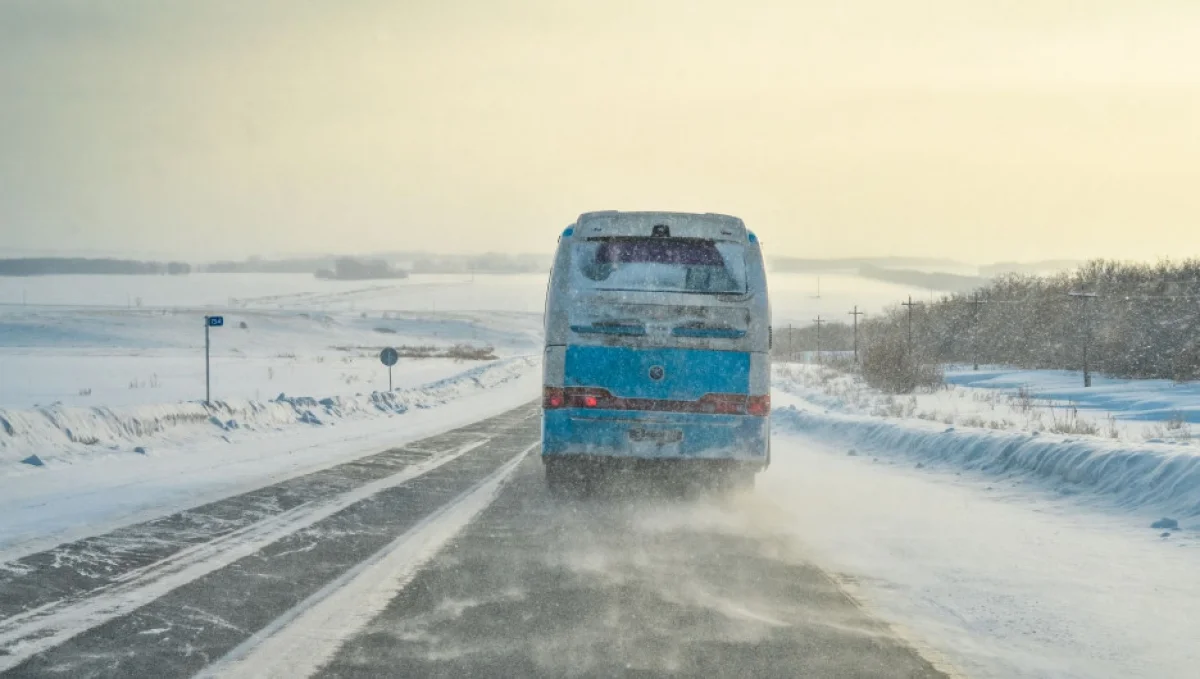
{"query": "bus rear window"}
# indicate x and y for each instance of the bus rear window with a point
(660, 265)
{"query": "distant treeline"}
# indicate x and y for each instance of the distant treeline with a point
(256, 265)
(492, 262)
(350, 269)
(947, 282)
(799, 265)
(886, 268)
(1136, 320)
(1043, 267)
(51, 266)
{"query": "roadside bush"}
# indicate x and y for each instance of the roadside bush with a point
(842, 364)
(889, 366)
(467, 352)
(1071, 423)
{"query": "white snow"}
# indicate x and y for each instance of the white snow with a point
(1007, 437)
(45, 506)
(798, 298)
(963, 518)
(1043, 401)
(1013, 554)
(1130, 402)
(89, 357)
(1005, 581)
(64, 435)
(109, 396)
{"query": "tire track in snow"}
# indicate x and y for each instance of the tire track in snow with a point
(29, 633)
(185, 630)
(76, 568)
(298, 643)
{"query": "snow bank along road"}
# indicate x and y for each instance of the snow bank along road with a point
(445, 557)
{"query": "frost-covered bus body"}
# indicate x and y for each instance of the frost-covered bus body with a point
(657, 344)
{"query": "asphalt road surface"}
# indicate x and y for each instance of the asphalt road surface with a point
(444, 558)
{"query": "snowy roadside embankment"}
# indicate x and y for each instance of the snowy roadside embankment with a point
(58, 434)
(1158, 475)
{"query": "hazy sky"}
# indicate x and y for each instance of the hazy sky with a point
(980, 130)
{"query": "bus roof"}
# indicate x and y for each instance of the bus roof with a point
(709, 226)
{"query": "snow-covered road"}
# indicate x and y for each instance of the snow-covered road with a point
(1002, 579)
(445, 557)
(947, 571)
(96, 491)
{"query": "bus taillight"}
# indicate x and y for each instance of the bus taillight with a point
(553, 397)
(722, 404)
(759, 406)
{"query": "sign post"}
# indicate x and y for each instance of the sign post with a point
(389, 357)
(209, 322)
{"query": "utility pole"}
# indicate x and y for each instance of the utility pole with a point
(790, 355)
(910, 304)
(856, 313)
(1087, 333)
(975, 328)
(818, 321)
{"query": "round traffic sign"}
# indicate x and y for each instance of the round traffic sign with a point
(389, 357)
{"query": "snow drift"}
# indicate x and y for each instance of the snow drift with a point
(60, 433)
(1163, 476)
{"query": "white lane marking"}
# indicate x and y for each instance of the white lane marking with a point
(42, 628)
(301, 641)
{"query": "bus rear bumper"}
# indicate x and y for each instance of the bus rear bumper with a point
(655, 435)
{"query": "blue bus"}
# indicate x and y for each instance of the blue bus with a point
(658, 335)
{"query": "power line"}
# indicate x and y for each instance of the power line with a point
(1087, 333)
(818, 320)
(910, 304)
(975, 304)
(856, 313)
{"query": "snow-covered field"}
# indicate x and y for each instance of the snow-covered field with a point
(799, 298)
(1004, 523)
(102, 384)
(1011, 550)
(133, 340)
(73, 344)
(80, 379)
(1031, 401)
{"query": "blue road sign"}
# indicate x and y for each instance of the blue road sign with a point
(215, 321)
(389, 357)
